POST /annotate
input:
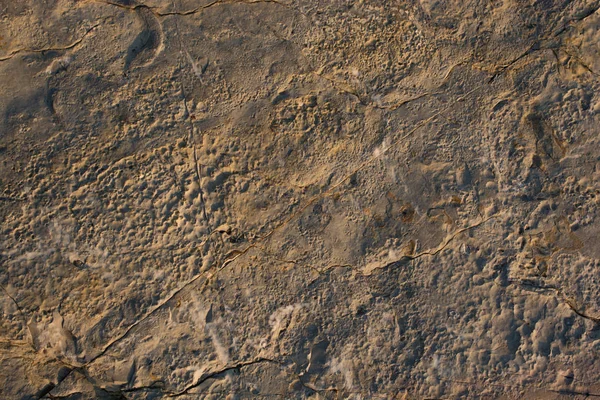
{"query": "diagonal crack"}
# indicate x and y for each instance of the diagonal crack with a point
(503, 68)
(130, 328)
(588, 13)
(346, 88)
(450, 239)
(540, 44)
(54, 48)
(232, 256)
(239, 366)
(19, 309)
(574, 393)
(560, 294)
(430, 252)
(216, 373)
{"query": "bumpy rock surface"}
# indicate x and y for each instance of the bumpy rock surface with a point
(299, 199)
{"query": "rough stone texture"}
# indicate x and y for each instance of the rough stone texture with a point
(299, 199)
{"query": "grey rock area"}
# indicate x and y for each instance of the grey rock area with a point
(299, 199)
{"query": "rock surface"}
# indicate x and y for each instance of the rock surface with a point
(299, 199)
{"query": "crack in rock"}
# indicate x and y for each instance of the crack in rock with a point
(54, 48)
